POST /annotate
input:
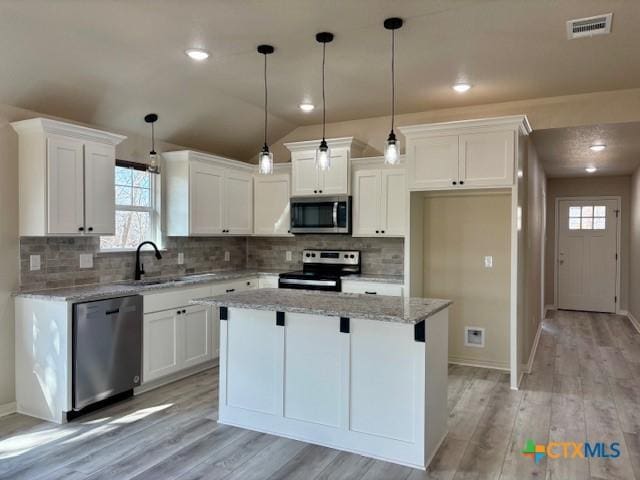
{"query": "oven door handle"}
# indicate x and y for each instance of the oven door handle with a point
(335, 214)
(315, 283)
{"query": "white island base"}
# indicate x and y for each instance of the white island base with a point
(376, 388)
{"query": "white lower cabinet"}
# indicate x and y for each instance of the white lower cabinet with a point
(160, 345)
(197, 342)
(372, 288)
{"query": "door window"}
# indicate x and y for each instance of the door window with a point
(588, 217)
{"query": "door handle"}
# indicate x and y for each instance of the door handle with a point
(335, 214)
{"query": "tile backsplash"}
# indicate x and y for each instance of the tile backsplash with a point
(60, 260)
(60, 257)
(379, 255)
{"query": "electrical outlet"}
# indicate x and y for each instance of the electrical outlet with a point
(227, 256)
(34, 262)
(86, 260)
(289, 256)
(488, 261)
(180, 258)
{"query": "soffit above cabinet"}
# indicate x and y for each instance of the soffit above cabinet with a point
(356, 146)
(511, 122)
(55, 127)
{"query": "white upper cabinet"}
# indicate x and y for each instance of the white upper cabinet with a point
(207, 195)
(307, 180)
(379, 199)
(465, 154)
(271, 203)
(66, 178)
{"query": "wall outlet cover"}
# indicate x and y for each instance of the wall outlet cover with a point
(227, 256)
(488, 261)
(289, 256)
(86, 260)
(34, 262)
(180, 258)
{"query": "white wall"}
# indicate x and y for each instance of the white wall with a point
(634, 273)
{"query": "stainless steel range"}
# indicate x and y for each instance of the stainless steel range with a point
(322, 270)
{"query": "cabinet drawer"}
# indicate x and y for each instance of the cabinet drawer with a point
(235, 286)
(372, 288)
(268, 282)
(173, 298)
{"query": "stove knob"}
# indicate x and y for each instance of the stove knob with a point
(308, 255)
(353, 256)
(313, 255)
(346, 256)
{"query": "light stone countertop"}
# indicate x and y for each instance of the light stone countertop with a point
(84, 293)
(131, 287)
(368, 277)
(333, 304)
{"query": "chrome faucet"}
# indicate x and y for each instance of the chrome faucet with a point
(139, 266)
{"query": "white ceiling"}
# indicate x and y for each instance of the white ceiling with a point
(110, 62)
(564, 152)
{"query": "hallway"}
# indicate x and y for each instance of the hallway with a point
(584, 386)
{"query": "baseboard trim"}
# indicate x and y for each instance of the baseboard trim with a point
(634, 321)
(160, 382)
(534, 348)
(548, 308)
(490, 365)
(8, 409)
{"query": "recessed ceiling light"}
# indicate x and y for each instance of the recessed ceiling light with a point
(598, 147)
(197, 54)
(307, 107)
(591, 169)
(461, 87)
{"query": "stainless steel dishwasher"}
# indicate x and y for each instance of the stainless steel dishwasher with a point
(107, 349)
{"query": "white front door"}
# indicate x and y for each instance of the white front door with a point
(587, 254)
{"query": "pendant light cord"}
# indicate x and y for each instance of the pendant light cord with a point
(153, 139)
(393, 78)
(265, 100)
(324, 105)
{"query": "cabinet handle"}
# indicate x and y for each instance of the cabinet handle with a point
(371, 293)
(315, 191)
(461, 182)
(81, 229)
(184, 311)
(454, 183)
(178, 312)
(229, 290)
(377, 231)
(381, 231)
(320, 191)
(90, 229)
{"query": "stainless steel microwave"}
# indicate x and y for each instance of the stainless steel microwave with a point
(321, 214)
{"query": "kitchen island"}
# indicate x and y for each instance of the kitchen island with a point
(362, 373)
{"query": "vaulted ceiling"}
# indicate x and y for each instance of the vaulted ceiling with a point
(110, 62)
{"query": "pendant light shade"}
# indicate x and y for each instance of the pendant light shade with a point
(265, 157)
(323, 153)
(392, 147)
(154, 164)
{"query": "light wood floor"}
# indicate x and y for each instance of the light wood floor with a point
(584, 386)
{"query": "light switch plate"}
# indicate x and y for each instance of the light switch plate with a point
(227, 256)
(34, 262)
(86, 260)
(488, 261)
(288, 256)
(180, 258)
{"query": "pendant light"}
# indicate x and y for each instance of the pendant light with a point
(323, 154)
(392, 148)
(265, 157)
(154, 166)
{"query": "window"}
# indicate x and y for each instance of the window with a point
(135, 208)
(588, 217)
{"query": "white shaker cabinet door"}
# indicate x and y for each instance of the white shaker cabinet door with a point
(335, 180)
(65, 192)
(206, 198)
(99, 171)
(486, 159)
(366, 203)
(433, 162)
(304, 174)
(393, 201)
(197, 335)
(271, 205)
(238, 200)
(161, 337)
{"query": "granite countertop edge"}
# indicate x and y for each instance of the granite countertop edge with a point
(78, 293)
(433, 306)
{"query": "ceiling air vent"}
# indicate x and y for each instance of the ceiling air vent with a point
(588, 27)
